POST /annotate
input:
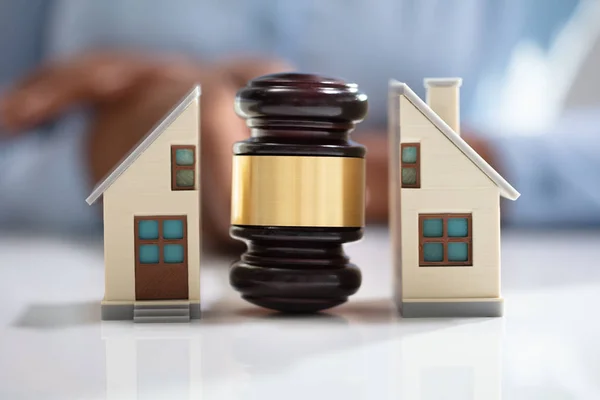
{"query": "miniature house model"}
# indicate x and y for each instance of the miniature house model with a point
(151, 203)
(444, 209)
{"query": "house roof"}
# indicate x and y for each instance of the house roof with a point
(142, 145)
(506, 190)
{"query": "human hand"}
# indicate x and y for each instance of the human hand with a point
(130, 94)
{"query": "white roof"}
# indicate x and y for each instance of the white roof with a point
(506, 190)
(138, 149)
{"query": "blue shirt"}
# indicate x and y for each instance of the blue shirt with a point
(43, 176)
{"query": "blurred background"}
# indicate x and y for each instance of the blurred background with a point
(81, 81)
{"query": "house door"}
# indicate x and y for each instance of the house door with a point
(161, 259)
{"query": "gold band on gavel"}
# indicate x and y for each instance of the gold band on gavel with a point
(298, 191)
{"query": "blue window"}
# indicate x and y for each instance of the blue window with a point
(173, 229)
(445, 240)
(160, 240)
(433, 227)
(173, 253)
(149, 254)
(184, 178)
(433, 252)
(148, 229)
(458, 251)
(409, 177)
(458, 227)
(409, 154)
(410, 165)
(183, 167)
(184, 156)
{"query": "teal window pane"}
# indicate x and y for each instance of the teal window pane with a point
(184, 178)
(458, 227)
(458, 251)
(148, 254)
(173, 229)
(173, 253)
(409, 176)
(433, 252)
(433, 227)
(184, 157)
(409, 154)
(148, 229)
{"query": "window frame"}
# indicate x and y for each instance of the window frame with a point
(445, 240)
(160, 241)
(175, 167)
(416, 165)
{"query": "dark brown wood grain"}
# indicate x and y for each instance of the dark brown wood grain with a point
(287, 268)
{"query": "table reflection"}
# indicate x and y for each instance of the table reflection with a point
(152, 361)
(458, 362)
(259, 355)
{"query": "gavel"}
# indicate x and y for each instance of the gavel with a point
(298, 192)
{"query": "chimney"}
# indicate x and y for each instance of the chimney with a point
(443, 96)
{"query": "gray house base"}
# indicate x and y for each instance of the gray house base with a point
(150, 313)
(451, 309)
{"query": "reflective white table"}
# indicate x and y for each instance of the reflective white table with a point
(53, 345)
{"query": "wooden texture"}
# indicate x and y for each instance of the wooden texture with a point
(293, 268)
(161, 281)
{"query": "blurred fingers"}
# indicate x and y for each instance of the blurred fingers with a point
(54, 88)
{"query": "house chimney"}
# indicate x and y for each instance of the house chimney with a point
(443, 97)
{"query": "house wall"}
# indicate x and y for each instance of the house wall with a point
(450, 183)
(145, 189)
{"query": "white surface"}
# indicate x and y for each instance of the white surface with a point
(53, 346)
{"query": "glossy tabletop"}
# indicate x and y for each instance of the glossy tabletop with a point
(53, 345)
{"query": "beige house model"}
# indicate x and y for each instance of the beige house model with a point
(151, 203)
(444, 209)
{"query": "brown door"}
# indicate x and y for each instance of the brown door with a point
(161, 264)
